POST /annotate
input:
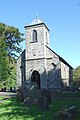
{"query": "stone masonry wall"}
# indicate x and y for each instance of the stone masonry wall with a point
(52, 70)
(35, 49)
(35, 53)
(65, 74)
(38, 65)
(20, 69)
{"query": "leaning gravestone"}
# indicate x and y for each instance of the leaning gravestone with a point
(19, 95)
(29, 93)
(32, 94)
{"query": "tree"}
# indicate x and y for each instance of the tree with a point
(76, 76)
(10, 39)
(4, 66)
(76, 73)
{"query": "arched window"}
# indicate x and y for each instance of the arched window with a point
(34, 36)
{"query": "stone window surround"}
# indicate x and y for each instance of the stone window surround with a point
(34, 36)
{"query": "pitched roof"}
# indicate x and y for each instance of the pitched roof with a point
(60, 58)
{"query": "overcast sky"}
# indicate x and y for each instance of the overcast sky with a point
(61, 16)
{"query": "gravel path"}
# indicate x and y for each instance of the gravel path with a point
(7, 94)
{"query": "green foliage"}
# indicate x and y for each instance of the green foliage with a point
(76, 73)
(12, 77)
(4, 66)
(76, 77)
(10, 39)
(12, 109)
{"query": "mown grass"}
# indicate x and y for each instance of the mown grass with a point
(66, 94)
(1, 97)
(12, 109)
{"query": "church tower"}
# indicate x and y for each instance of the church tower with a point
(39, 63)
(37, 37)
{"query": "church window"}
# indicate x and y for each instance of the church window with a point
(34, 36)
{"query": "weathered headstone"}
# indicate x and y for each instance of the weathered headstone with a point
(14, 89)
(10, 89)
(67, 113)
(19, 95)
(47, 94)
(31, 95)
(43, 102)
(4, 89)
(34, 90)
(72, 110)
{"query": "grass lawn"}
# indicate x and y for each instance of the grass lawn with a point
(67, 94)
(11, 109)
(1, 98)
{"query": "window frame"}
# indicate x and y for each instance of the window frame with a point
(34, 36)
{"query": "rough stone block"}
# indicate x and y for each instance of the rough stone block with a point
(19, 95)
(66, 114)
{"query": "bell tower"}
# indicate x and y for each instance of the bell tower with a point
(37, 37)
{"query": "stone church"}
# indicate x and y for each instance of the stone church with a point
(39, 63)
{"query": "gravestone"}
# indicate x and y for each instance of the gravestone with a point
(46, 93)
(66, 114)
(19, 95)
(14, 89)
(10, 89)
(31, 95)
(4, 89)
(43, 102)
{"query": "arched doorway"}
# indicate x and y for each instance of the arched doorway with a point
(36, 77)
